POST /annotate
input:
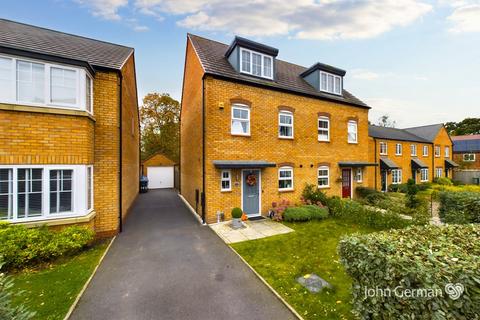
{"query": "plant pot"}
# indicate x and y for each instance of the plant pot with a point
(237, 223)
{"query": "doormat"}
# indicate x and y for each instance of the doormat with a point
(256, 218)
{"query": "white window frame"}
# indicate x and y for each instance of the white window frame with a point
(9, 193)
(384, 144)
(81, 75)
(423, 174)
(335, 90)
(359, 175)
(90, 80)
(469, 157)
(425, 151)
(398, 149)
(352, 122)
(397, 176)
(327, 176)
(240, 107)
(327, 120)
(229, 180)
(262, 58)
(79, 202)
(438, 151)
(438, 172)
(289, 169)
(413, 150)
(92, 182)
(447, 152)
(58, 191)
(288, 114)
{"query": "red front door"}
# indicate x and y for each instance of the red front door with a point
(346, 183)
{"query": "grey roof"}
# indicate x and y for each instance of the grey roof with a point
(426, 132)
(19, 36)
(466, 145)
(418, 164)
(450, 164)
(212, 57)
(356, 164)
(393, 134)
(386, 163)
(238, 164)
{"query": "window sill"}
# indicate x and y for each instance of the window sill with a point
(324, 141)
(286, 190)
(323, 187)
(34, 109)
(240, 135)
(349, 142)
(226, 191)
(285, 138)
(57, 221)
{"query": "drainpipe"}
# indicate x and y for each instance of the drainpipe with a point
(375, 150)
(120, 151)
(203, 153)
(433, 161)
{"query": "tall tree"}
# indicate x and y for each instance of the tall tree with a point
(385, 121)
(160, 121)
(465, 127)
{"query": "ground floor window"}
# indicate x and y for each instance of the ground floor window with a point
(469, 157)
(396, 176)
(285, 178)
(226, 181)
(424, 175)
(323, 177)
(438, 172)
(359, 175)
(36, 192)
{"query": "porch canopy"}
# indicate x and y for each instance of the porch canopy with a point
(450, 164)
(356, 164)
(387, 164)
(242, 164)
(418, 164)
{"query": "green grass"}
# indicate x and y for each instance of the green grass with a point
(312, 248)
(51, 290)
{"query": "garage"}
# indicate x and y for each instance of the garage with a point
(160, 177)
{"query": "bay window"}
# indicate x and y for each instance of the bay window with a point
(42, 84)
(36, 192)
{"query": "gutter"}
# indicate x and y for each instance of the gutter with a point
(120, 152)
(202, 201)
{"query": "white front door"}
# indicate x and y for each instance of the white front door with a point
(160, 177)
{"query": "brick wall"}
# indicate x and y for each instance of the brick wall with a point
(458, 158)
(304, 151)
(191, 129)
(443, 140)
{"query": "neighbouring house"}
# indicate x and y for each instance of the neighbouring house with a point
(256, 129)
(419, 153)
(69, 129)
(466, 152)
(160, 171)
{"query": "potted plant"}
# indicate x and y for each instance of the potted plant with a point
(237, 218)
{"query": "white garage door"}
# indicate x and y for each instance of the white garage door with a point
(160, 177)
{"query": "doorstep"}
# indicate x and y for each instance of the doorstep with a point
(252, 230)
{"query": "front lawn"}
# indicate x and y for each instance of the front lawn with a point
(51, 290)
(312, 248)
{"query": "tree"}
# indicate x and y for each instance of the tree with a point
(384, 121)
(160, 122)
(465, 127)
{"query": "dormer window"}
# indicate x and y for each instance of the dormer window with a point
(256, 64)
(330, 83)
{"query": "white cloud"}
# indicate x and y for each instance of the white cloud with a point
(106, 9)
(363, 74)
(306, 19)
(465, 18)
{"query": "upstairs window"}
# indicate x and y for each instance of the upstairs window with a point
(323, 129)
(469, 157)
(330, 83)
(226, 181)
(30, 82)
(240, 120)
(89, 94)
(352, 132)
(425, 151)
(6, 79)
(447, 152)
(285, 124)
(413, 150)
(383, 148)
(285, 178)
(256, 64)
(63, 86)
(437, 151)
(398, 149)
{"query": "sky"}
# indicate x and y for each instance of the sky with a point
(416, 61)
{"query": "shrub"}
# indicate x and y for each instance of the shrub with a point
(414, 258)
(312, 195)
(459, 207)
(305, 213)
(375, 198)
(402, 188)
(276, 213)
(237, 213)
(7, 309)
(23, 247)
(411, 200)
(444, 181)
(364, 192)
(335, 206)
(424, 186)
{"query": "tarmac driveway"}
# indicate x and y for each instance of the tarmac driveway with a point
(165, 265)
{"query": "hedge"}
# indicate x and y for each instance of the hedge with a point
(305, 213)
(414, 258)
(459, 207)
(21, 247)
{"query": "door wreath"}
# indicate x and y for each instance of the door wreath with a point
(251, 180)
